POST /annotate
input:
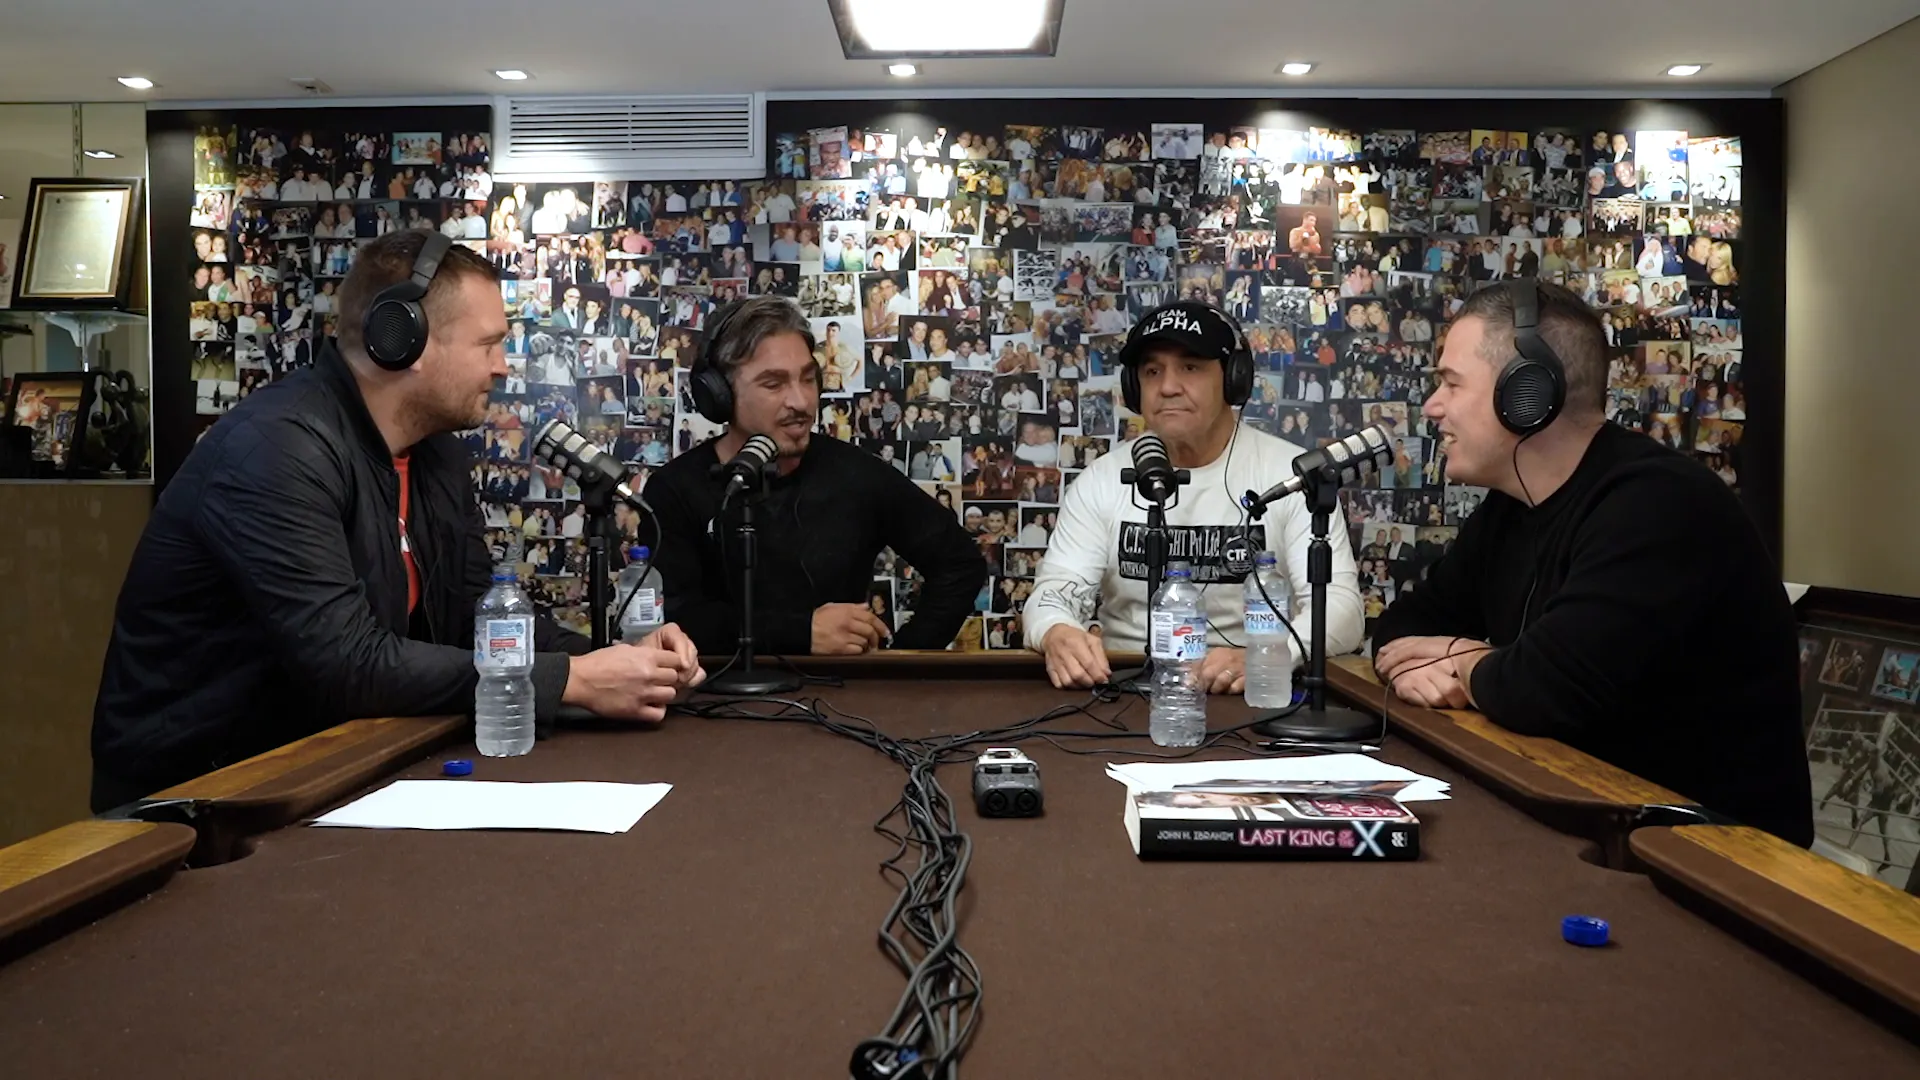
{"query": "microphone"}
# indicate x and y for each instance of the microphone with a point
(568, 450)
(1153, 474)
(749, 465)
(1342, 463)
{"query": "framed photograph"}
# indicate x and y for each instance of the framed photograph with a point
(1899, 676)
(1846, 664)
(46, 418)
(77, 245)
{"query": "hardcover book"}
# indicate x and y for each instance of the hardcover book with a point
(1268, 820)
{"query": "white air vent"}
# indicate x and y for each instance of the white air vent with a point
(569, 139)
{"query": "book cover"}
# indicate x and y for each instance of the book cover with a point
(1264, 820)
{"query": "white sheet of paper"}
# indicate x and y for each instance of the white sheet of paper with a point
(574, 806)
(1162, 775)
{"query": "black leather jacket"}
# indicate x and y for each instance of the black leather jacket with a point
(267, 598)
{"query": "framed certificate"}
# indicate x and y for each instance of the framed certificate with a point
(76, 249)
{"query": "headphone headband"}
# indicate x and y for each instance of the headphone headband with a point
(427, 263)
(1526, 303)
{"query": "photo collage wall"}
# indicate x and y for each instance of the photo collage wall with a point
(277, 217)
(969, 291)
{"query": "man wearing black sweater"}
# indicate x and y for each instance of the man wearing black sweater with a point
(1610, 592)
(829, 510)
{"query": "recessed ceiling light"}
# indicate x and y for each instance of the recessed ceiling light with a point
(511, 74)
(1684, 70)
(102, 155)
(1295, 67)
(883, 29)
(136, 82)
(903, 71)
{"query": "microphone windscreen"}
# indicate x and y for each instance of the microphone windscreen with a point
(761, 447)
(1149, 446)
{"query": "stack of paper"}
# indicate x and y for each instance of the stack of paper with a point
(1166, 776)
(580, 806)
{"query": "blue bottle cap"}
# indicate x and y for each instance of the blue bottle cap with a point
(639, 553)
(1584, 930)
(458, 767)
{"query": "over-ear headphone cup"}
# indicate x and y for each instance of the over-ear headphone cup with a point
(1529, 396)
(1239, 378)
(395, 332)
(1130, 388)
(712, 396)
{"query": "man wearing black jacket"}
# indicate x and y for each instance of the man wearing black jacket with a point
(828, 512)
(1610, 592)
(320, 554)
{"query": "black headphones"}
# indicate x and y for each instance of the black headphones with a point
(712, 390)
(395, 328)
(1532, 387)
(1236, 383)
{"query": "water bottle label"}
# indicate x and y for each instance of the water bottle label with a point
(651, 606)
(1175, 638)
(1260, 619)
(503, 643)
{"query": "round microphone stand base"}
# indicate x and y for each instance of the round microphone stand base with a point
(1331, 724)
(756, 683)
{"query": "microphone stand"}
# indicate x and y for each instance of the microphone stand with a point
(598, 500)
(1156, 563)
(1316, 721)
(747, 680)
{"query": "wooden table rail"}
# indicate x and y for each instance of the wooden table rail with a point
(59, 879)
(1858, 927)
(283, 785)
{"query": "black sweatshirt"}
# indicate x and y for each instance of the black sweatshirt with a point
(1657, 636)
(819, 531)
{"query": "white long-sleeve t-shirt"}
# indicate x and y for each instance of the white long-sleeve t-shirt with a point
(1095, 566)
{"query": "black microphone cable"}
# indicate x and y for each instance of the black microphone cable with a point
(937, 1014)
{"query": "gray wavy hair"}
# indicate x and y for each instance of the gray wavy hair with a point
(739, 328)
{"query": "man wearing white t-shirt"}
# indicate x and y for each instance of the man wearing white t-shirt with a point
(898, 303)
(779, 208)
(1095, 567)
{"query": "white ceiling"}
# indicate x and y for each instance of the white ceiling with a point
(63, 50)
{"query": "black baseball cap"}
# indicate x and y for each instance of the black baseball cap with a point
(1200, 329)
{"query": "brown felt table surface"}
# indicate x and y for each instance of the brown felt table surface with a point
(731, 934)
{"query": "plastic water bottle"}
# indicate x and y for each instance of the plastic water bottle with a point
(647, 611)
(1269, 661)
(503, 655)
(1178, 714)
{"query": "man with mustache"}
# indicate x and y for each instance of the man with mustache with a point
(828, 510)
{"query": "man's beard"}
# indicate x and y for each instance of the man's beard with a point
(432, 417)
